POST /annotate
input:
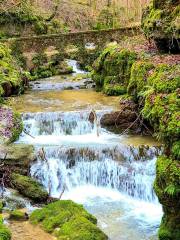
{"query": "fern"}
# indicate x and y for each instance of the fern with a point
(171, 190)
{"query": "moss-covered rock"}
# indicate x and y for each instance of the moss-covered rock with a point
(138, 78)
(167, 187)
(45, 67)
(17, 215)
(161, 22)
(11, 125)
(111, 70)
(68, 220)
(5, 233)
(29, 187)
(11, 81)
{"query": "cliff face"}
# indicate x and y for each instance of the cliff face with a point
(161, 22)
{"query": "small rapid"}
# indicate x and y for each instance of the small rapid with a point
(89, 164)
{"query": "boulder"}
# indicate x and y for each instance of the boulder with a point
(18, 157)
(29, 188)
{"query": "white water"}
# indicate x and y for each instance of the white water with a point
(74, 65)
(112, 180)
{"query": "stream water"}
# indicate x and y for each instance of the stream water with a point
(110, 174)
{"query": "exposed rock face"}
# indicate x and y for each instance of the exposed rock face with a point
(124, 118)
(17, 157)
(161, 22)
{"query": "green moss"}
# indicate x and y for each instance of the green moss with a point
(71, 218)
(138, 78)
(10, 77)
(1, 206)
(165, 79)
(112, 69)
(81, 229)
(167, 186)
(114, 89)
(176, 150)
(161, 22)
(17, 215)
(169, 229)
(5, 233)
(29, 187)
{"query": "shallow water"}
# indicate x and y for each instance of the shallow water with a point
(67, 100)
(110, 174)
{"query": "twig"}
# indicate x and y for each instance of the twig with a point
(130, 126)
(145, 126)
(63, 190)
(28, 133)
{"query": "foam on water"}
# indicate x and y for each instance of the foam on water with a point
(94, 170)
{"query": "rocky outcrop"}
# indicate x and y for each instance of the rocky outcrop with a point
(123, 118)
(161, 22)
(17, 157)
(111, 70)
(29, 187)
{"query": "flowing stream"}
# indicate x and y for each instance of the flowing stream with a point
(110, 174)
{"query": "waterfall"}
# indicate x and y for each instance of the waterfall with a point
(76, 156)
(101, 172)
(115, 168)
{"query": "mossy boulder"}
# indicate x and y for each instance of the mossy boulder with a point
(11, 125)
(138, 79)
(17, 215)
(11, 81)
(161, 22)
(111, 70)
(5, 233)
(29, 187)
(167, 188)
(68, 221)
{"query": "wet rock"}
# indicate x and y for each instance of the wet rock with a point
(29, 188)
(123, 118)
(17, 157)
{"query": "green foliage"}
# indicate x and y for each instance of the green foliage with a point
(166, 185)
(176, 150)
(1, 206)
(45, 67)
(165, 79)
(5, 234)
(138, 78)
(71, 220)
(114, 89)
(10, 77)
(29, 187)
